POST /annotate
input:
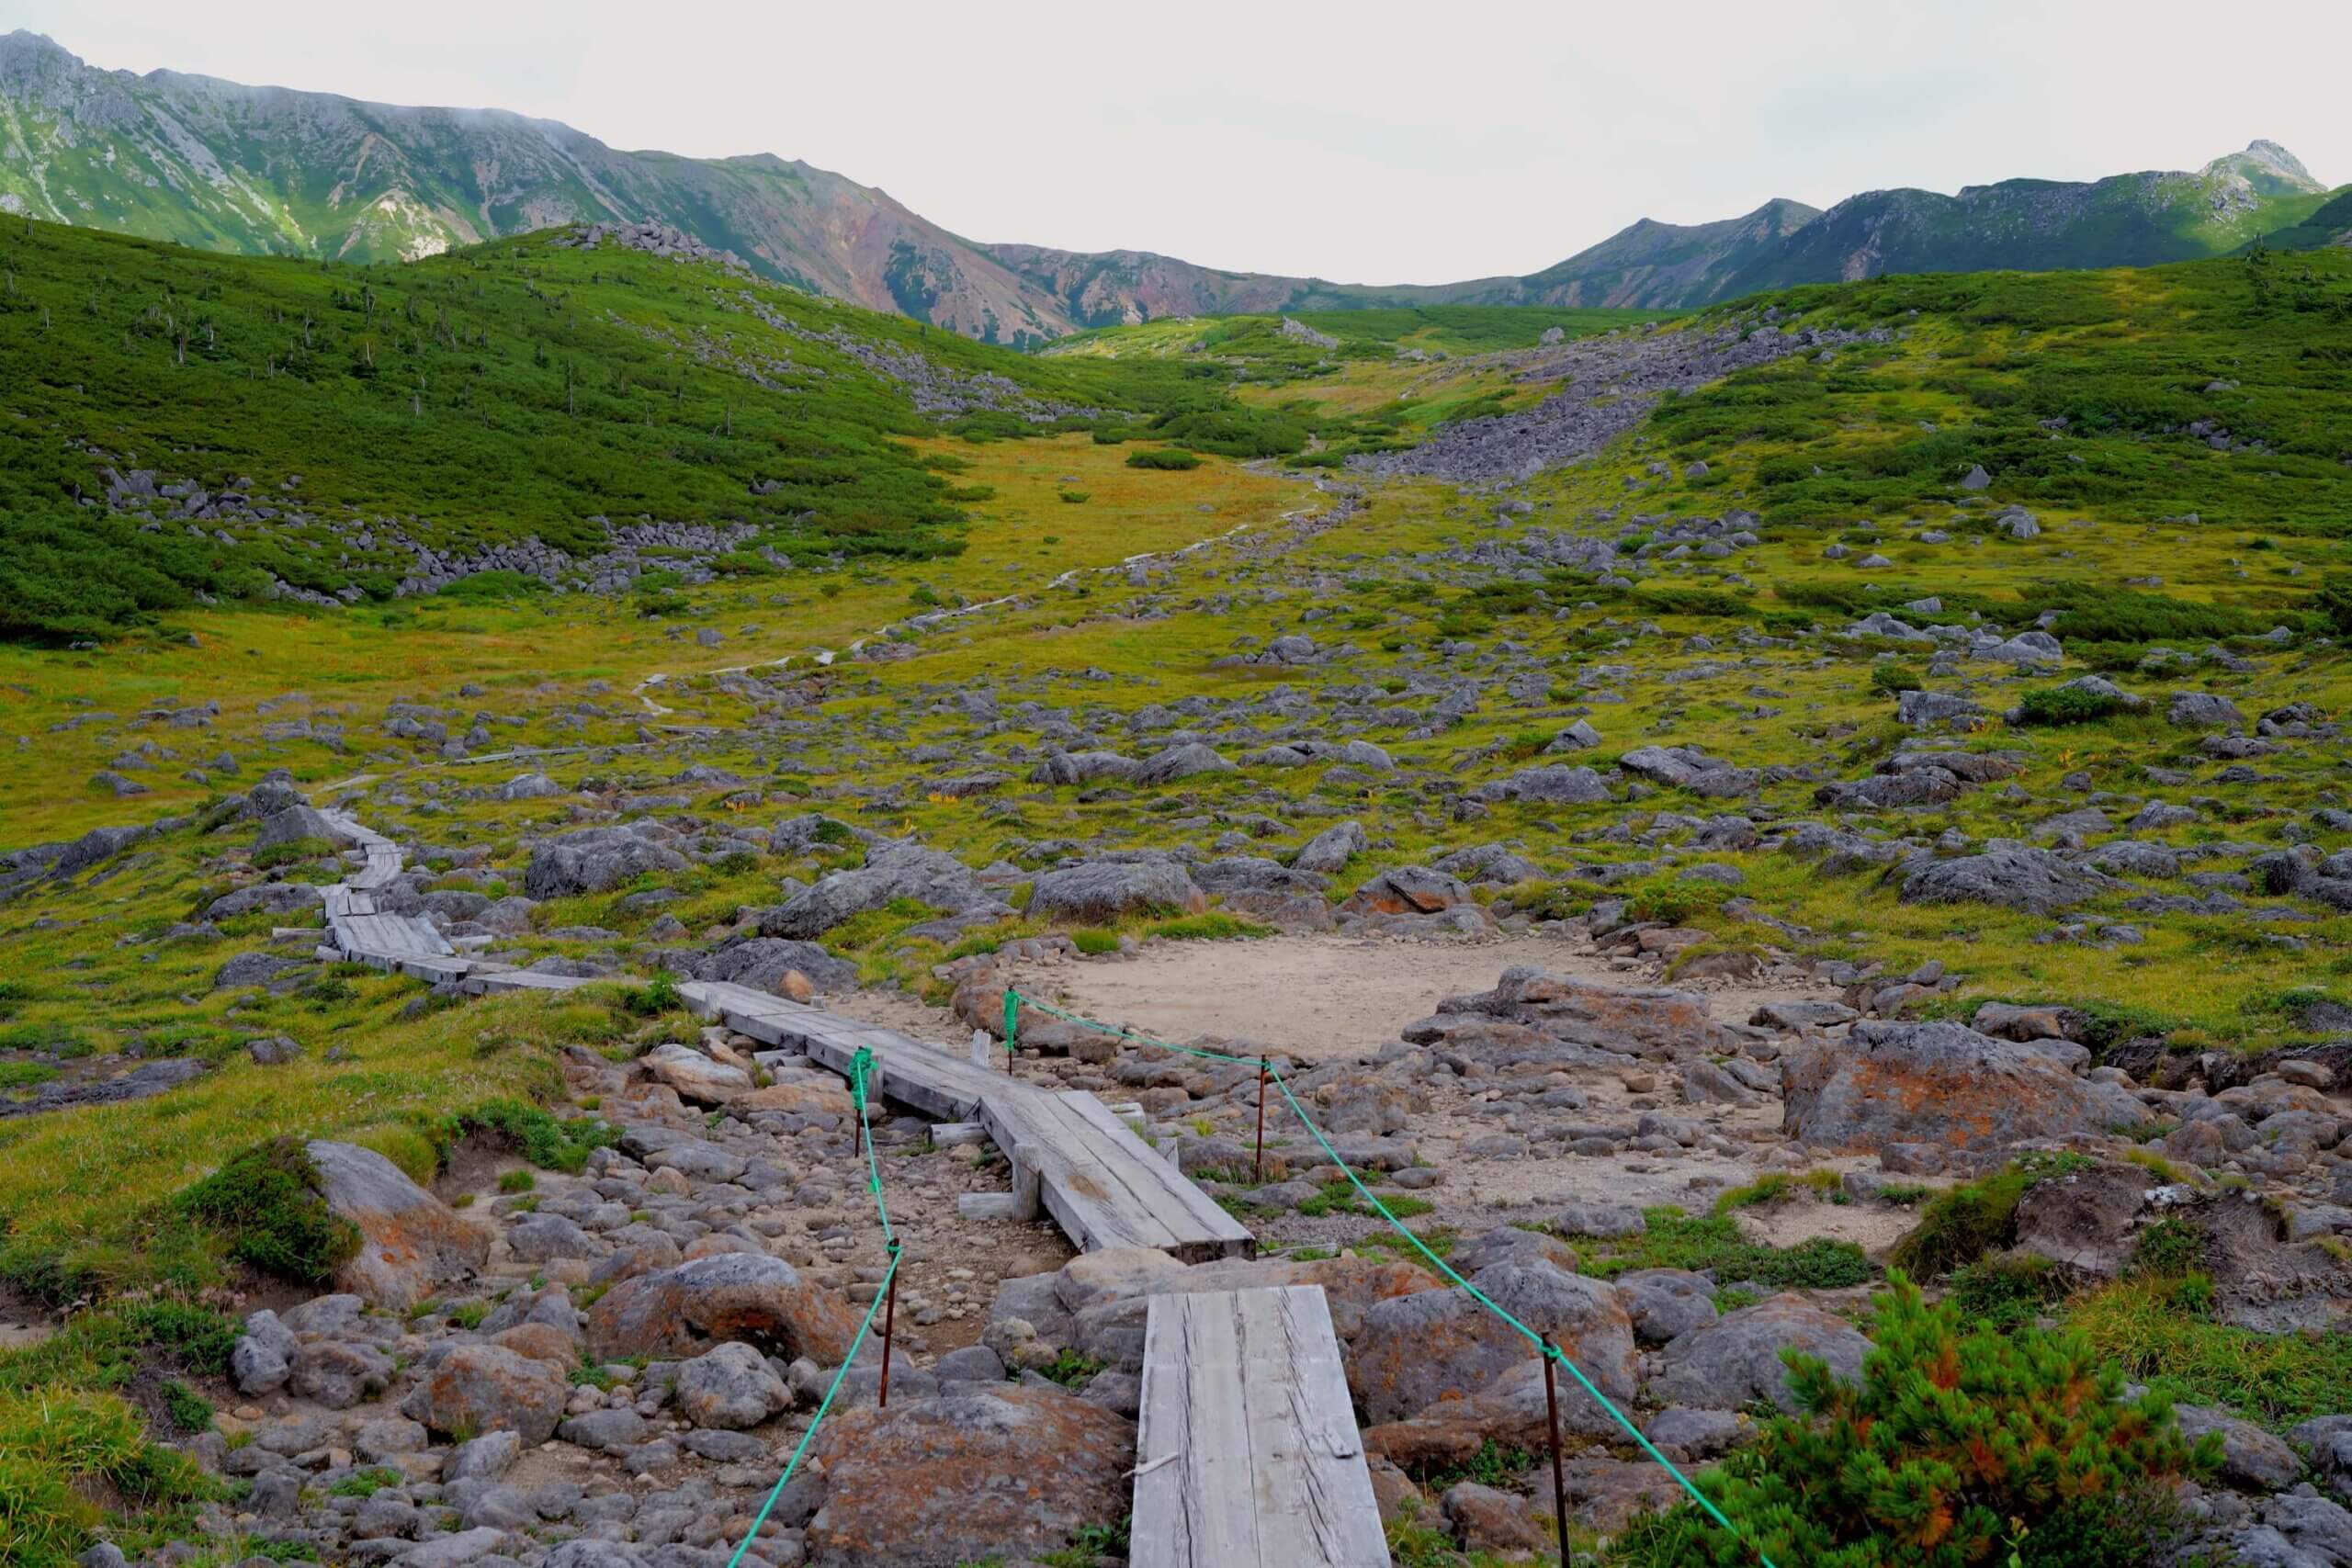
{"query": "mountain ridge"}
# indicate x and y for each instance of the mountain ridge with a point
(213, 162)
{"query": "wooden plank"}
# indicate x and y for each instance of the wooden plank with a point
(1208, 1219)
(1314, 1490)
(1195, 1502)
(1103, 1184)
(1248, 1453)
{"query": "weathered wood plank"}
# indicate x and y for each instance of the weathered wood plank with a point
(1194, 1499)
(1314, 1490)
(1104, 1185)
(1248, 1453)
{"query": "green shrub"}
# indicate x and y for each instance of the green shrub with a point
(1075, 497)
(1888, 677)
(1162, 458)
(2169, 1248)
(2332, 603)
(1211, 927)
(365, 1482)
(2066, 705)
(546, 1141)
(57, 1450)
(1956, 1443)
(656, 996)
(265, 1204)
(1676, 1240)
(2006, 1290)
(1094, 941)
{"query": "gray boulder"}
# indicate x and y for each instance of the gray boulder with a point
(596, 860)
(1415, 1350)
(2203, 710)
(1099, 892)
(297, 823)
(1331, 849)
(892, 871)
(2014, 877)
(528, 786)
(730, 1387)
(1181, 762)
(762, 963)
(1489, 864)
(1942, 1084)
(411, 1243)
(1735, 1360)
(1555, 783)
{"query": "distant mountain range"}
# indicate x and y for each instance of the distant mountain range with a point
(217, 164)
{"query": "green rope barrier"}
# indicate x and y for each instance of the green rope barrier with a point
(861, 1076)
(801, 1449)
(1544, 1346)
(873, 1175)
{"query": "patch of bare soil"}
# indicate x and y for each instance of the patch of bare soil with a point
(23, 1321)
(1330, 998)
(1320, 996)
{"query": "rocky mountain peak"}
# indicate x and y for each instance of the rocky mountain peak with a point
(2265, 164)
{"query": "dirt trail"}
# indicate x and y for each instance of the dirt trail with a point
(1320, 996)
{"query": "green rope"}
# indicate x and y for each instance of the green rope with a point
(874, 1179)
(806, 1437)
(1128, 1034)
(1544, 1346)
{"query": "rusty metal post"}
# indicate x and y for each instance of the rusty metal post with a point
(891, 1320)
(1257, 1166)
(1559, 1484)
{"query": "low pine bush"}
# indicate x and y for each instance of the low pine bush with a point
(1162, 458)
(2066, 705)
(1960, 1445)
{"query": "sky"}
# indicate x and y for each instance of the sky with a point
(1359, 143)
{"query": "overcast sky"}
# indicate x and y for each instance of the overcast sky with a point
(1364, 141)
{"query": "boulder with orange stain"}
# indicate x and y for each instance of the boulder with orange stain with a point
(985, 1474)
(411, 1243)
(1946, 1085)
(685, 1310)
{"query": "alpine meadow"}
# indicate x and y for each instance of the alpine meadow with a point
(694, 874)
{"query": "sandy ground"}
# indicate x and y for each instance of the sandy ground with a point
(1320, 996)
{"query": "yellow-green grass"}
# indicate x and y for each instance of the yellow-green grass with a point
(359, 661)
(96, 1172)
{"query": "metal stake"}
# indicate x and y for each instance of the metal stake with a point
(1559, 1486)
(1257, 1166)
(891, 1318)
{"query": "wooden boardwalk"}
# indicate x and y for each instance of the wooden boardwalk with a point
(1247, 1455)
(1069, 1154)
(1103, 1184)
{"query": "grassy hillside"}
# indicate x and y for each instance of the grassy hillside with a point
(2214, 388)
(331, 415)
(2329, 224)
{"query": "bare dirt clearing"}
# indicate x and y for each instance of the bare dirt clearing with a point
(1321, 997)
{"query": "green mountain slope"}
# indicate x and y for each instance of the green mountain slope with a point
(2032, 225)
(2329, 224)
(185, 425)
(273, 170)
